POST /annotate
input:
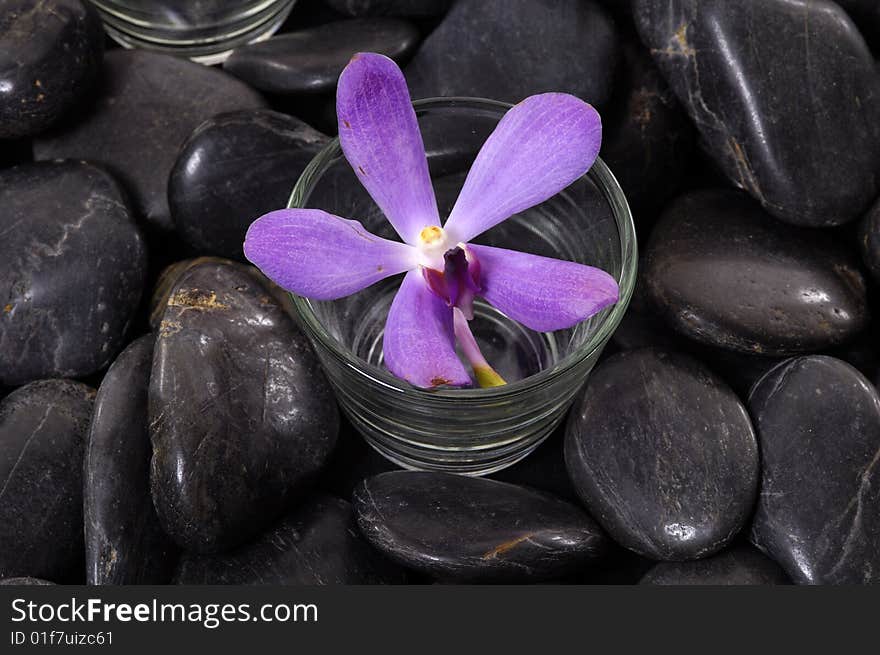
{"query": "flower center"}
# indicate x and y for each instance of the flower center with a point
(432, 244)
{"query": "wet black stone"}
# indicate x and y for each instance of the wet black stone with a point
(233, 169)
(740, 565)
(461, 528)
(663, 455)
(648, 140)
(148, 106)
(784, 94)
(241, 416)
(42, 438)
(509, 49)
(318, 544)
(723, 273)
(24, 582)
(310, 60)
(124, 543)
(413, 8)
(818, 515)
(72, 268)
(870, 241)
(50, 57)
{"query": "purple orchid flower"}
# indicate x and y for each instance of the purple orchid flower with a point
(542, 145)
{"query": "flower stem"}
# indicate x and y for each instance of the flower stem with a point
(485, 374)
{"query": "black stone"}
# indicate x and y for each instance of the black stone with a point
(723, 273)
(784, 94)
(233, 169)
(870, 241)
(818, 515)
(461, 528)
(318, 544)
(663, 454)
(509, 49)
(24, 582)
(648, 139)
(124, 543)
(149, 105)
(241, 416)
(310, 60)
(50, 57)
(413, 8)
(72, 269)
(42, 438)
(740, 565)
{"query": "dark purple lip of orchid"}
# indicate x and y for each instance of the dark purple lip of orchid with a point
(459, 282)
(538, 148)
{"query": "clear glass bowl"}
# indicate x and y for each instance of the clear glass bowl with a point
(473, 431)
(204, 30)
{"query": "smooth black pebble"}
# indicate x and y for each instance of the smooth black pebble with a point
(242, 418)
(724, 273)
(785, 97)
(50, 58)
(739, 565)
(24, 582)
(233, 169)
(663, 455)
(818, 515)
(43, 427)
(310, 60)
(455, 527)
(149, 104)
(317, 544)
(412, 8)
(124, 542)
(72, 270)
(509, 49)
(648, 140)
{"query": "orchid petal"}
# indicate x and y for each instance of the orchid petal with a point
(380, 137)
(543, 294)
(322, 256)
(419, 341)
(542, 145)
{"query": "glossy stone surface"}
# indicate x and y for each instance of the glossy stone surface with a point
(241, 416)
(310, 60)
(317, 544)
(414, 8)
(509, 49)
(460, 528)
(740, 565)
(866, 14)
(869, 240)
(149, 104)
(663, 455)
(42, 437)
(233, 169)
(24, 582)
(124, 542)
(784, 94)
(648, 138)
(50, 56)
(818, 515)
(724, 273)
(72, 268)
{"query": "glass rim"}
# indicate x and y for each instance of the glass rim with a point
(604, 179)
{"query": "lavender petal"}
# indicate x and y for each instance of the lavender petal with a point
(380, 137)
(322, 256)
(542, 293)
(542, 145)
(419, 341)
